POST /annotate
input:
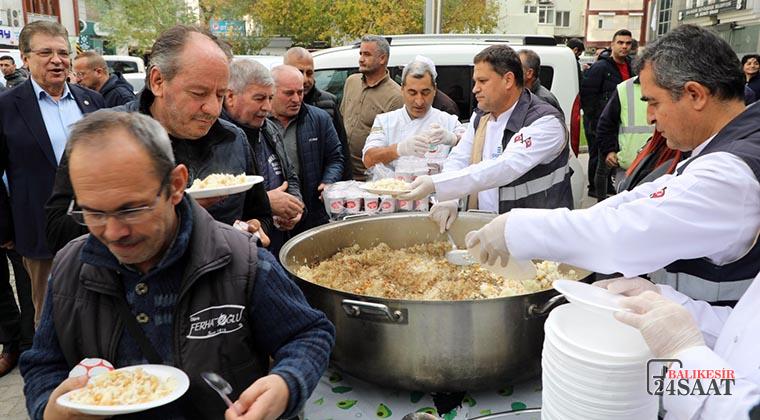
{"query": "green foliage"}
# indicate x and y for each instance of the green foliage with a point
(137, 23)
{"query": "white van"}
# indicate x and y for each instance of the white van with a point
(453, 55)
(132, 68)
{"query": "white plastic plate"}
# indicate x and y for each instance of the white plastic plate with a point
(378, 191)
(182, 383)
(250, 181)
(593, 297)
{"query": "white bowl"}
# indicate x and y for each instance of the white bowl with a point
(600, 336)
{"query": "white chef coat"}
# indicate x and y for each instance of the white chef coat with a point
(396, 126)
(711, 210)
(732, 339)
(542, 142)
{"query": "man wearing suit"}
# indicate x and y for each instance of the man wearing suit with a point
(34, 122)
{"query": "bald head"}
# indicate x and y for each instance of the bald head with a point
(288, 95)
(301, 59)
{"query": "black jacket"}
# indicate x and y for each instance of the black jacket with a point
(328, 102)
(117, 91)
(16, 78)
(599, 83)
(27, 157)
(754, 84)
(254, 204)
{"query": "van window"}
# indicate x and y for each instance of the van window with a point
(454, 81)
(547, 76)
(123, 67)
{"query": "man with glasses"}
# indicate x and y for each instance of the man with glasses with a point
(91, 71)
(34, 124)
(158, 280)
(187, 80)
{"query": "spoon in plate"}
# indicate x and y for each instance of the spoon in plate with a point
(222, 387)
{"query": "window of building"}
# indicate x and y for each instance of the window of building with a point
(546, 15)
(664, 15)
(530, 9)
(562, 19)
(42, 7)
(604, 22)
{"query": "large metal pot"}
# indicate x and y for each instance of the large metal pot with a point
(422, 345)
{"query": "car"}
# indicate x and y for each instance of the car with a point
(132, 68)
(453, 55)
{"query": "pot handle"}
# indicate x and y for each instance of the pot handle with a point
(358, 308)
(535, 310)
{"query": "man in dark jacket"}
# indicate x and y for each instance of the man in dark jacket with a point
(159, 281)
(247, 104)
(13, 76)
(310, 139)
(531, 64)
(301, 59)
(187, 81)
(91, 72)
(598, 85)
(34, 124)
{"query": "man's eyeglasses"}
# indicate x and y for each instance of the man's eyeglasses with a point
(47, 53)
(100, 218)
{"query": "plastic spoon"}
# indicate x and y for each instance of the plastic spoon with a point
(458, 256)
(222, 387)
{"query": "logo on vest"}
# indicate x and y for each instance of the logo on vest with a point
(527, 141)
(215, 320)
(659, 193)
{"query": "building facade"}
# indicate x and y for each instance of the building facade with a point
(560, 18)
(14, 14)
(605, 17)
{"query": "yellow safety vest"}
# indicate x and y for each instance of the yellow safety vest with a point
(634, 130)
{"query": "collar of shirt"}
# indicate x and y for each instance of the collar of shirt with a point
(697, 150)
(40, 93)
(379, 82)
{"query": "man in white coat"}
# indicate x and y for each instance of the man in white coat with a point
(513, 154)
(416, 129)
(703, 338)
(700, 223)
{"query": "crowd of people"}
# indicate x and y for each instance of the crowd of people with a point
(112, 259)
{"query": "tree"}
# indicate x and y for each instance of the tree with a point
(469, 16)
(137, 23)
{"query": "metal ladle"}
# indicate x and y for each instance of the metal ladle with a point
(221, 386)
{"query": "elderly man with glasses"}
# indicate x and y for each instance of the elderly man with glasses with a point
(34, 124)
(159, 281)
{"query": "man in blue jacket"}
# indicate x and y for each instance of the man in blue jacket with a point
(91, 72)
(159, 281)
(311, 143)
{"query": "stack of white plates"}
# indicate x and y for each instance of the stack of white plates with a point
(594, 368)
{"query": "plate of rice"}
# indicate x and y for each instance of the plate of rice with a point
(218, 185)
(127, 390)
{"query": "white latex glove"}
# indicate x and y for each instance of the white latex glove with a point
(439, 135)
(628, 286)
(416, 145)
(492, 241)
(422, 187)
(667, 327)
(445, 213)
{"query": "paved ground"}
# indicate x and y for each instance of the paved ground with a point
(11, 394)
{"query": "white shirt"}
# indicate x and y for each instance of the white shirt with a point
(396, 126)
(538, 143)
(711, 210)
(732, 339)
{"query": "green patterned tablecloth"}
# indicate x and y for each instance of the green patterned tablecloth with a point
(340, 396)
